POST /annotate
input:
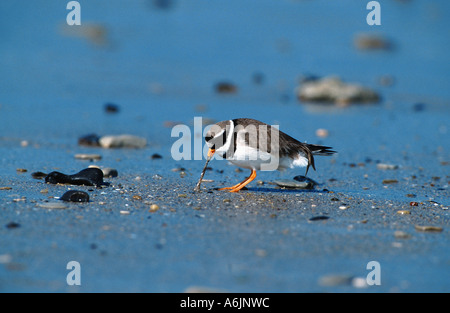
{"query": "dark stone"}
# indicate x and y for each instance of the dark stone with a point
(319, 218)
(156, 156)
(225, 87)
(12, 225)
(419, 107)
(163, 4)
(111, 108)
(38, 175)
(311, 183)
(87, 177)
(90, 140)
(75, 196)
(110, 172)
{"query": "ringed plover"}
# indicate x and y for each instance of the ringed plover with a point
(254, 145)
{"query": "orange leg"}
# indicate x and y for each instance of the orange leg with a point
(242, 184)
(233, 187)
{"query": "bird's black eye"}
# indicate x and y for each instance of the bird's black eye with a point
(208, 137)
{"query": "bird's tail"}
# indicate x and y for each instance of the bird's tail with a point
(320, 150)
(316, 150)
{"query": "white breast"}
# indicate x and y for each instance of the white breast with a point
(248, 156)
(228, 141)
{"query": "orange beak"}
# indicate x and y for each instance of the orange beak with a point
(211, 153)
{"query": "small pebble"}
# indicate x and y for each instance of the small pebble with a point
(21, 170)
(96, 34)
(124, 212)
(12, 225)
(414, 203)
(299, 182)
(225, 87)
(122, 141)
(53, 205)
(343, 207)
(403, 212)
(334, 90)
(290, 183)
(359, 282)
(322, 133)
(156, 156)
(75, 196)
(154, 208)
(335, 280)
(367, 41)
(38, 175)
(301, 178)
(383, 166)
(319, 218)
(110, 172)
(390, 181)
(90, 140)
(111, 108)
(85, 156)
(137, 197)
(5, 188)
(426, 228)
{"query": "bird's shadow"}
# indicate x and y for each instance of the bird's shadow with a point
(278, 190)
